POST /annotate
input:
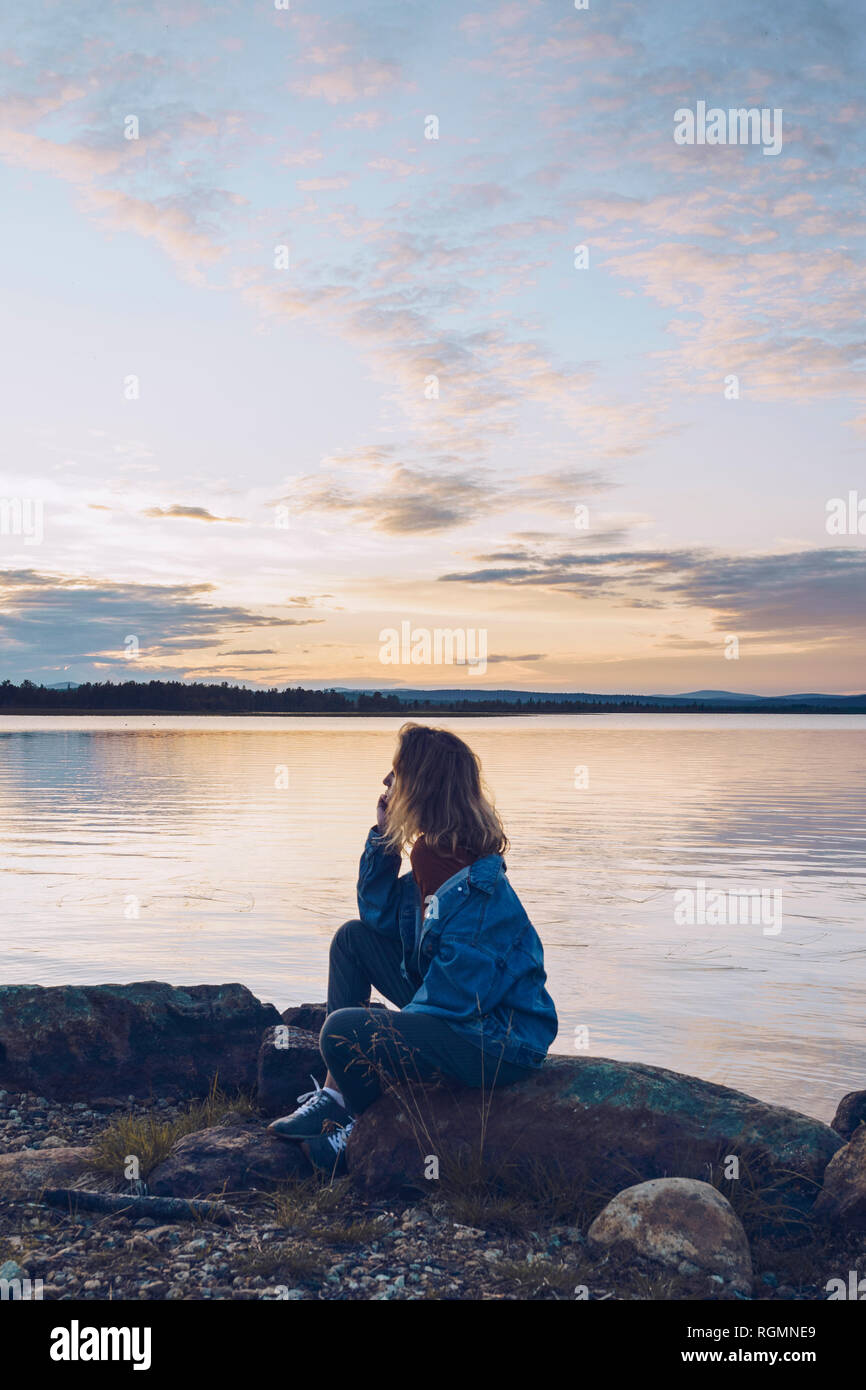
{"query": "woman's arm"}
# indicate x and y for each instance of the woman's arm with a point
(378, 894)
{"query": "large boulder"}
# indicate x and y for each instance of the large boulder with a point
(234, 1155)
(27, 1172)
(685, 1226)
(597, 1124)
(79, 1042)
(842, 1200)
(307, 1016)
(289, 1059)
(850, 1112)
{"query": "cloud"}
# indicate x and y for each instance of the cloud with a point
(529, 656)
(323, 185)
(376, 491)
(405, 501)
(189, 514)
(339, 82)
(814, 595)
(75, 621)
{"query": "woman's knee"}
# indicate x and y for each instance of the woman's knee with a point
(341, 1031)
(345, 935)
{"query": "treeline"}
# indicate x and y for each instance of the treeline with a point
(178, 697)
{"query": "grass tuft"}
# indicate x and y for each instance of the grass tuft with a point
(150, 1139)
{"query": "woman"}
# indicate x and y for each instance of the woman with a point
(448, 943)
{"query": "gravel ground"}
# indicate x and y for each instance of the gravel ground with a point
(342, 1248)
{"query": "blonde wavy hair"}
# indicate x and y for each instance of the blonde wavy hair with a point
(438, 792)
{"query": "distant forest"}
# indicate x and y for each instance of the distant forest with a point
(178, 697)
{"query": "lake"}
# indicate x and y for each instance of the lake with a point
(201, 850)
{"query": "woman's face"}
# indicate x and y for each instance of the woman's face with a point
(389, 780)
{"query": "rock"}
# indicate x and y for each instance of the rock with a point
(310, 1017)
(237, 1153)
(842, 1199)
(684, 1225)
(593, 1119)
(850, 1113)
(78, 1041)
(289, 1058)
(26, 1173)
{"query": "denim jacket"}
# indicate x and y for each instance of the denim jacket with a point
(473, 957)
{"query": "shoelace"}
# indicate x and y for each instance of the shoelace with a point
(338, 1138)
(310, 1098)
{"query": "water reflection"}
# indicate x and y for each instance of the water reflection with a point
(166, 848)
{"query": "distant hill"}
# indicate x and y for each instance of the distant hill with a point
(730, 695)
(716, 695)
(710, 698)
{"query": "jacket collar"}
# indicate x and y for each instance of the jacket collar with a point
(484, 872)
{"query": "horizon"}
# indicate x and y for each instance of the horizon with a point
(477, 690)
(321, 324)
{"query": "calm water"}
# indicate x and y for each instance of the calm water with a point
(179, 821)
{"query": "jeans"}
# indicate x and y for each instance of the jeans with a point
(368, 1047)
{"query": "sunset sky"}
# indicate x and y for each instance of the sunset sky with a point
(287, 483)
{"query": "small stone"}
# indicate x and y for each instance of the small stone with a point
(169, 1233)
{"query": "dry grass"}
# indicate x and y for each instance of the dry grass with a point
(297, 1263)
(536, 1278)
(150, 1139)
(300, 1204)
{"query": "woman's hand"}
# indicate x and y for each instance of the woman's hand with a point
(382, 803)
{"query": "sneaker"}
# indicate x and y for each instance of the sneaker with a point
(327, 1151)
(315, 1109)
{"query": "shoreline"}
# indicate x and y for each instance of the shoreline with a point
(111, 1092)
(410, 712)
(312, 1243)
